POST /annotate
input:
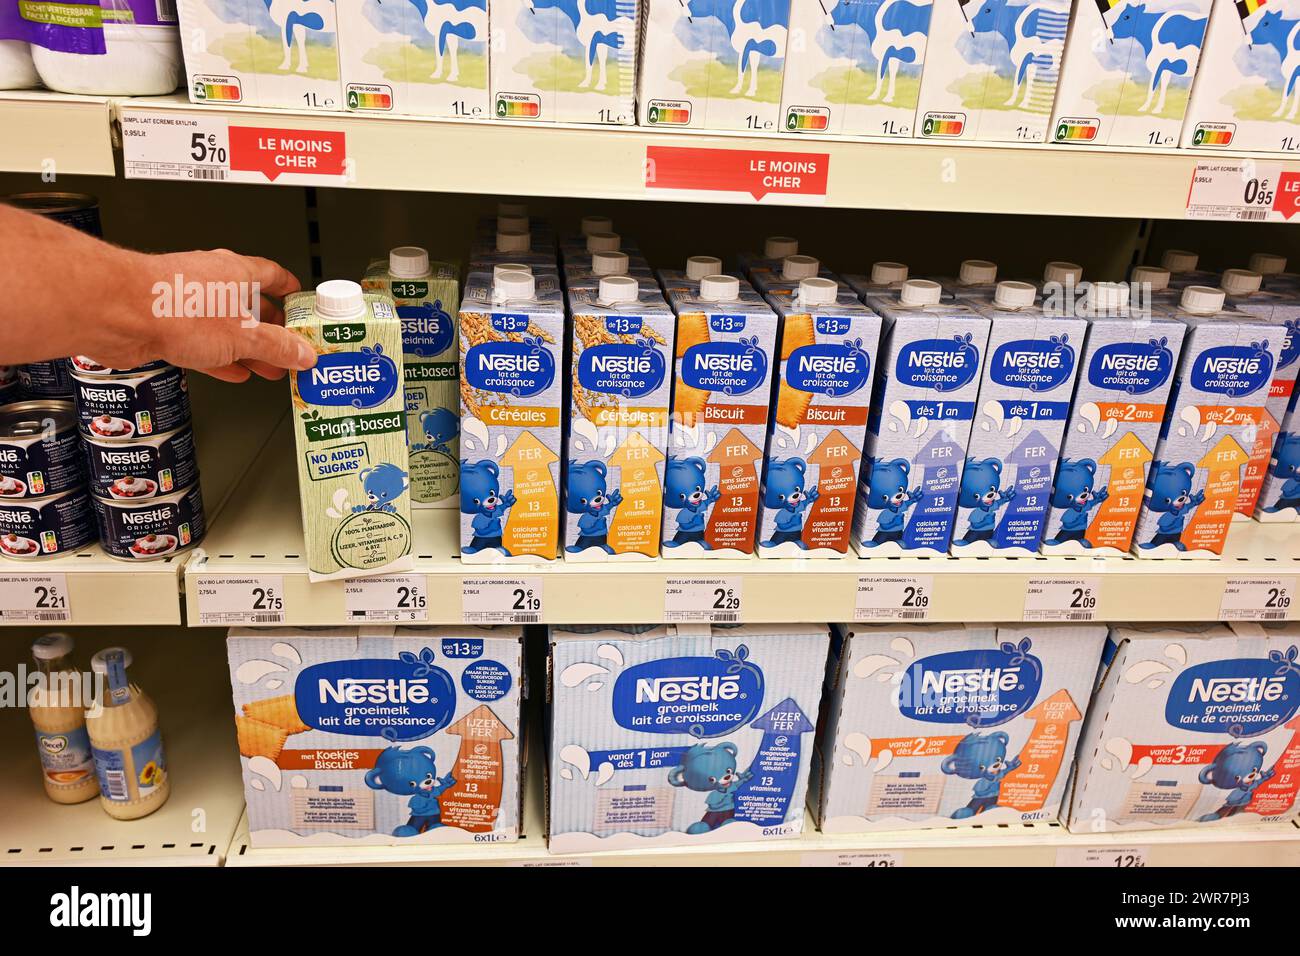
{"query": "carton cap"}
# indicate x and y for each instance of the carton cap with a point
(977, 272)
(339, 299)
(512, 224)
(510, 286)
(501, 267)
(778, 247)
(512, 209)
(514, 240)
(1179, 260)
(51, 646)
(99, 663)
(887, 273)
(617, 289)
(794, 268)
(1240, 281)
(920, 292)
(1267, 263)
(1059, 271)
(408, 262)
(1103, 298)
(719, 288)
(1156, 276)
(1014, 295)
(609, 263)
(603, 242)
(592, 224)
(697, 267)
(1201, 299)
(817, 291)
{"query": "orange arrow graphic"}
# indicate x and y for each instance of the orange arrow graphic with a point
(1261, 453)
(1277, 794)
(472, 803)
(637, 521)
(830, 520)
(533, 525)
(732, 523)
(1026, 788)
(1112, 526)
(1209, 525)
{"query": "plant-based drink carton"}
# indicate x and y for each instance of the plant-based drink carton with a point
(854, 66)
(681, 734)
(1015, 441)
(1245, 96)
(407, 735)
(1214, 415)
(618, 434)
(279, 53)
(991, 69)
(511, 412)
(829, 343)
(350, 431)
(952, 725)
(1191, 724)
(922, 405)
(1129, 66)
(564, 61)
(427, 59)
(726, 345)
(427, 296)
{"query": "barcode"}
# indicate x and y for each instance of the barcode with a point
(51, 615)
(1079, 616)
(166, 10)
(1252, 214)
(207, 172)
(267, 618)
(526, 619)
(726, 617)
(1272, 616)
(116, 781)
(911, 614)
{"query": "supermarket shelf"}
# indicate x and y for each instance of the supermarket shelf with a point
(56, 134)
(490, 157)
(194, 827)
(261, 534)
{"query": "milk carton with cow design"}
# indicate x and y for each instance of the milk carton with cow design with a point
(277, 53)
(991, 69)
(1246, 95)
(564, 61)
(1129, 66)
(854, 66)
(420, 57)
(713, 64)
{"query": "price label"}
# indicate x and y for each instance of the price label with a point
(853, 859)
(395, 597)
(559, 862)
(1243, 190)
(1257, 599)
(703, 600)
(253, 600)
(501, 600)
(1062, 599)
(893, 598)
(34, 598)
(1114, 857)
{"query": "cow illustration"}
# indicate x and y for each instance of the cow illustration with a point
(1283, 34)
(1171, 42)
(449, 22)
(601, 25)
(896, 30)
(293, 20)
(755, 28)
(1030, 30)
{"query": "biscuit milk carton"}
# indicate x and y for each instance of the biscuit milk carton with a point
(1126, 371)
(854, 66)
(1246, 97)
(712, 64)
(511, 355)
(586, 272)
(427, 59)
(1215, 412)
(427, 296)
(407, 735)
(776, 249)
(278, 53)
(885, 278)
(829, 343)
(976, 279)
(350, 431)
(726, 344)
(1191, 724)
(564, 61)
(1129, 66)
(619, 390)
(922, 405)
(991, 69)
(784, 282)
(681, 734)
(1015, 441)
(952, 725)
(697, 267)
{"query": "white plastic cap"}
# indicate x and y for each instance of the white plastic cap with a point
(1267, 263)
(514, 240)
(778, 247)
(977, 272)
(719, 288)
(1106, 298)
(697, 267)
(51, 646)
(339, 299)
(1062, 272)
(512, 224)
(512, 286)
(1014, 295)
(592, 224)
(99, 663)
(609, 263)
(794, 268)
(501, 267)
(887, 273)
(920, 292)
(617, 289)
(1155, 276)
(408, 262)
(1201, 300)
(1240, 281)
(512, 209)
(604, 242)
(1180, 260)
(817, 291)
